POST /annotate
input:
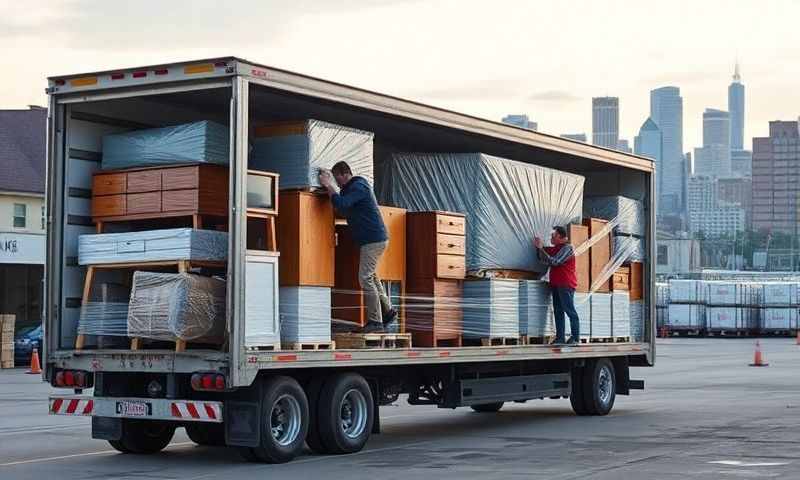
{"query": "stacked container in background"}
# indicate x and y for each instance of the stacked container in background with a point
(686, 310)
(729, 307)
(778, 304)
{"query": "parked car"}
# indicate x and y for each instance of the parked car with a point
(25, 341)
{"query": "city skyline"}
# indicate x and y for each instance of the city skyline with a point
(444, 64)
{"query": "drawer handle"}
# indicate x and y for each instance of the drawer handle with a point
(451, 245)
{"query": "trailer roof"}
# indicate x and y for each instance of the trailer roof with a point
(315, 87)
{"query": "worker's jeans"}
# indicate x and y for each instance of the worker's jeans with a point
(375, 297)
(564, 302)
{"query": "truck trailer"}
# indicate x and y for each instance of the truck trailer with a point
(270, 403)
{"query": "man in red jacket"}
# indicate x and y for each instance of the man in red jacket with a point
(563, 281)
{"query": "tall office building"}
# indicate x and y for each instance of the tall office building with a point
(736, 107)
(578, 137)
(737, 190)
(666, 110)
(710, 214)
(624, 146)
(741, 163)
(520, 121)
(776, 178)
(714, 158)
(605, 121)
(648, 144)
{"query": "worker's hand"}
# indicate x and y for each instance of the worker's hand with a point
(537, 242)
(326, 179)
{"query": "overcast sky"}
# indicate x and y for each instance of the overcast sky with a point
(487, 58)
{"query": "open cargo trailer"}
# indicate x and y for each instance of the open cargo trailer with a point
(270, 402)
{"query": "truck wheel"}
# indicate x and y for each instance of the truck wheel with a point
(284, 422)
(346, 413)
(576, 397)
(211, 434)
(599, 387)
(488, 407)
(313, 391)
(143, 436)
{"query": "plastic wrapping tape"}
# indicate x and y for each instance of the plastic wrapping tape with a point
(198, 142)
(166, 306)
(506, 203)
(298, 150)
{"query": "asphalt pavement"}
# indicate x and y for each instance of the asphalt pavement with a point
(704, 414)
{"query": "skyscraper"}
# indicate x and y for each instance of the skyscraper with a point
(776, 184)
(736, 107)
(666, 110)
(520, 121)
(605, 121)
(714, 158)
(648, 144)
(578, 137)
(624, 146)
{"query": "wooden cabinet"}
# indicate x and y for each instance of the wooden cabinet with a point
(434, 313)
(306, 239)
(156, 192)
(621, 280)
(437, 245)
(578, 234)
(599, 253)
(637, 280)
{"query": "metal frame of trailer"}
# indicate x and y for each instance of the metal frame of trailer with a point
(480, 377)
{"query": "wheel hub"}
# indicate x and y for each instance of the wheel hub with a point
(285, 420)
(353, 413)
(605, 385)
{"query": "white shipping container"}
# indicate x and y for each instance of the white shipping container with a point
(779, 293)
(779, 319)
(685, 291)
(685, 315)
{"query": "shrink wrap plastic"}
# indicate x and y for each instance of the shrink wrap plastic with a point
(197, 142)
(638, 330)
(620, 314)
(305, 314)
(166, 306)
(784, 319)
(106, 312)
(297, 151)
(152, 245)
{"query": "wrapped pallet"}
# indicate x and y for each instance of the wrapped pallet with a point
(686, 316)
(686, 291)
(583, 305)
(106, 314)
(601, 315)
(775, 319)
(779, 294)
(725, 293)
(491, 308)
(662, 294)
(298, 150)
(152, 245)
(197, 142)
(177, 306)
(506, 202)
(535, 309)
(632, 247)
(724, 318)
(620, 314)
(628, 213)
(638, 327)
(305, 315)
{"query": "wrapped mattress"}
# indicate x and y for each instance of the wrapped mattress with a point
(170, 306)
(197, 142)
(298, 150)
(506, 203)
(153, 245)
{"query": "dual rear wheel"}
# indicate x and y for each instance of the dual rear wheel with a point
(594, 388)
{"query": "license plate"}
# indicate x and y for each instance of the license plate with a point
(134, 409)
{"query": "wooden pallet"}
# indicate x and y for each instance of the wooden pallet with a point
(727, 333)
(529, 340)
(598, 340)
(495, 341)
(622, 339)
(372, 340)
(310, 346)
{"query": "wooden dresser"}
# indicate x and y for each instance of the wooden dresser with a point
(158, 192)
(578, 234)
(599, 253)
(434, 285)
(306, 239)
(347, 299)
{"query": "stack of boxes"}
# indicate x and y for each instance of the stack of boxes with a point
(729, 307)
(778, 302)
(686, 309)
(7, 340)
(579, 234)
(435, 277)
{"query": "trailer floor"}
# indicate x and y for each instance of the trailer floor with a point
(704, 414)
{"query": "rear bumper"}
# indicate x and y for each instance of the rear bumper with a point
(138, 408)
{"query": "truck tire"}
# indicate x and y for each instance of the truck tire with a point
(143, 436)
(599, 387)
(313, 391)
(346, 413)
(207, 434)
(284, 422)
(488, 407)
(576, 397)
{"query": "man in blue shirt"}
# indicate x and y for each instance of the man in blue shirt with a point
(356, 202)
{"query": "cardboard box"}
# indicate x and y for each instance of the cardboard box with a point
(578, 234)
(599, 253)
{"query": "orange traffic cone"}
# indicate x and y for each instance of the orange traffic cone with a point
(36, 368)
(758, 360)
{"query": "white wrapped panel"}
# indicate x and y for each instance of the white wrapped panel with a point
(779, 294)
(601, 315)
(535, 309)
(506, 203)
(583, 305)
(779, 319)
(686, 291)
(262, 326)
(662, 294)
(724, 293)
(620, 314)
(724, 318)
(152, 245)
(491, 308)
(305, 314)
(685, 315)
(638, 330)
